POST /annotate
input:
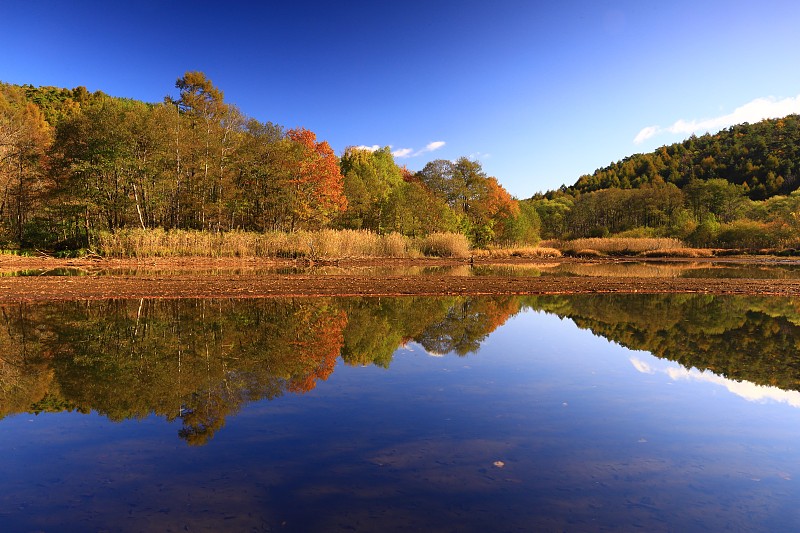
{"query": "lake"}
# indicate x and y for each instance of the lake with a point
(550, 413)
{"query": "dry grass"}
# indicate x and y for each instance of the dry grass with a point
(528, 252)
(324, 244)
(680, 252)
(349, 244)
(619, 246)
(444, 245)
(587, 253)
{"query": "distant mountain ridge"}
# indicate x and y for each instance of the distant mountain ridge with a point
(765, 157)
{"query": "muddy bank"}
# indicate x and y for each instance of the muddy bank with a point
(189, 278)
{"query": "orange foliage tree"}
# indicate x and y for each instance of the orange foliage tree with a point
(500, 207)
(315, 179)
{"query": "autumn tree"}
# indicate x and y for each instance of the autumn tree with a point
(96, 150)
(25, 137)
(370, 176)
(315, 183)
(717, 197)
(204, 144)
(413, 210)
(479, 199)
(261, 200)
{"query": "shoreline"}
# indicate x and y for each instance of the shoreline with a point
(238, 278)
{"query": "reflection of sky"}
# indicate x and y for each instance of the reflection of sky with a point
(579, 438)
(744, 389)
(416, 347)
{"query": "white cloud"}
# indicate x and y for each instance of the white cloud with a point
(430, 147)
(372, 148)
(646, 133)
(753, 111)
(409, 152)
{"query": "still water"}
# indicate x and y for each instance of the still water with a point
(557, 413)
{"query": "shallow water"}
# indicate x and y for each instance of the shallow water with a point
(782, 269)
(578, 413)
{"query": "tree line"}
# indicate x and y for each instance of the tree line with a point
(74, 163)
(763, 157)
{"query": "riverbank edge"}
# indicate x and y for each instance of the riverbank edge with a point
(211, 278)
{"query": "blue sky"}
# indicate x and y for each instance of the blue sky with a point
(539, 92)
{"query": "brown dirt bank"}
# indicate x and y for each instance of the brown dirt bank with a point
(243, 284)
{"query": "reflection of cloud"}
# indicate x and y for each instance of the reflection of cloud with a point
(641, 366)
(409, 152)
(753, 111)
(412, 346)
(744, 389)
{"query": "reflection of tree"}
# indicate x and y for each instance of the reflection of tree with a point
(194, 360)
(25, 376)
(742, 338)
(198, 361)
(377, 327)
(466, 324)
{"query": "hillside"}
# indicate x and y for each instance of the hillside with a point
(764, 157)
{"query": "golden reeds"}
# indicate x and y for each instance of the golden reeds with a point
(620, 246)
(323, 244)
(444, 245)
(527, 252)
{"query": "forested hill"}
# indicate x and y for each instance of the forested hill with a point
(763, 157)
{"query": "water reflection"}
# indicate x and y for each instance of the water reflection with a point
(625, 268)
(743, 389)
(755, 338)
(535, 425)
(198, 361)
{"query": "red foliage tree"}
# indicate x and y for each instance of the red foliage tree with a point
(316, 181)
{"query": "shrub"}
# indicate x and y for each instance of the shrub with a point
(747, 234)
